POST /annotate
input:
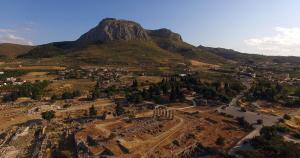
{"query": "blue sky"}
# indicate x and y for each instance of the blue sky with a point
(270, 27)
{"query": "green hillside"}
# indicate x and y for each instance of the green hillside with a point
(187, 50)
(125, 53)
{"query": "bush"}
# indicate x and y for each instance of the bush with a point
(286, 117)
(119, 110)
(76, 93)
(293, 103)
(282, 129)
(70, 95)
(48, 115)
(66, 106)
(259, 121)
(296, 135)
(92, 111)
(131, 115)
(220, 140)
(96, 93)
(297, 92)
(11, 97)
(54, 97)
(268, 132)
(67, 95)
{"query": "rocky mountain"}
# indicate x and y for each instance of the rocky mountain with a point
(165, 33)
(142, 45)
(111, 29)
(13, 50)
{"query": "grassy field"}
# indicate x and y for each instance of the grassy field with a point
(126, 53)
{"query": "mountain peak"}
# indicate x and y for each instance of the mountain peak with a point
(111, 29)
(165, 33)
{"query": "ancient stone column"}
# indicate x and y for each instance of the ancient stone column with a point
(172, 114)
(167, 114)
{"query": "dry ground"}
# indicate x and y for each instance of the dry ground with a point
(152, 79)
(275, 108)
(33, 76)
(167, 137)
(294, 122)
(197, 65)
(15, 115)
(203, 127)
(19, 67)
(83, 85)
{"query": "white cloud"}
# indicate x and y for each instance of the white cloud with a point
(10, 38)
(285, 42)
(6, 30)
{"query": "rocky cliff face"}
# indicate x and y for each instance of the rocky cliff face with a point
(165, 34)
(111, 29)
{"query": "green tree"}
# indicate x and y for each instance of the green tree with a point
(119, 110)
(67, 95)
(131, 116)
(96, 94)
(54, 97)
(134, 84)
(297, 92)
(76, 93)
(11, 97)
(269, 132)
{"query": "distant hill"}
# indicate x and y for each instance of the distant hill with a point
(123, 41)
(13, 50)
(168, 40)
(239, 57)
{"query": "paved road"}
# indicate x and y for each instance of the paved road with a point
(251, 117)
